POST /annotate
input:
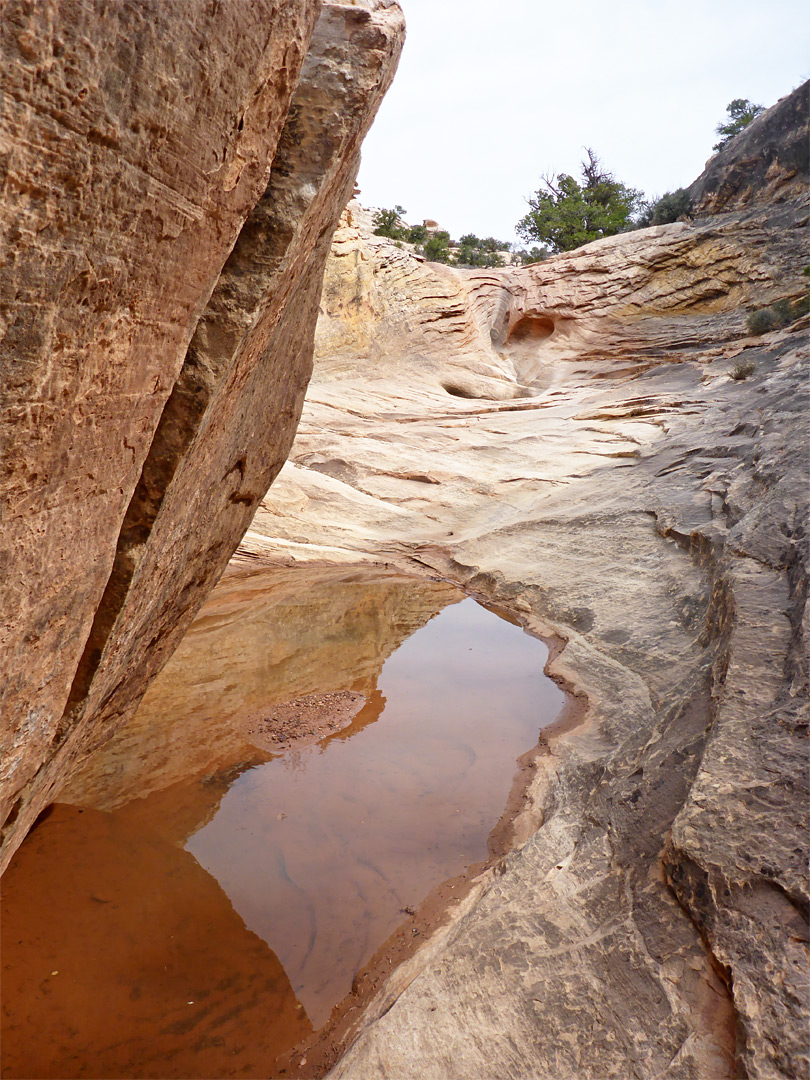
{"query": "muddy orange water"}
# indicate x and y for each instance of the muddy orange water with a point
(203, 928)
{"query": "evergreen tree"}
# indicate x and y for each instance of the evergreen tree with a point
(417, 234)
(388, 223)
(663, 211)
(473, 252)
(741, 112)
(437, 247)
(569, 213)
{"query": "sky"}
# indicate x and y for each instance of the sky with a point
(492, 94)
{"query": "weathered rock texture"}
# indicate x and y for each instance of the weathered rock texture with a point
(765, 163)
(171, 185)
(651, 510)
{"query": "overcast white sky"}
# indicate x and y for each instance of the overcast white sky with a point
(492, 93)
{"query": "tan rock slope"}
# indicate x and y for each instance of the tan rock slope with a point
(170, 189)
(598, 442)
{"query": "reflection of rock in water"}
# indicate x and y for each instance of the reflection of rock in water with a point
(318, 852)
(258, 641)
(140, 980)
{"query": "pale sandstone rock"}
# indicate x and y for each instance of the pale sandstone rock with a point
(383, 309)
(650, 510)
(139, 437)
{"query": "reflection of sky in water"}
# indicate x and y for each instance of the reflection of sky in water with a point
(320, 851)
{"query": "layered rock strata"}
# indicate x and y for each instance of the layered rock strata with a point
(171, 186)
(597, 442)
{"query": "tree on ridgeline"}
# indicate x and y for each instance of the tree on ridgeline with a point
(473, 252)
(417, 234)
(740, 113)
(389, 223)
(666, 209)
(437, 247)
(570, 213)
(532, 255)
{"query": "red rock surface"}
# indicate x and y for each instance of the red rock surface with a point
(153, 164)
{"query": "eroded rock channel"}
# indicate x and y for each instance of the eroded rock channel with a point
(601, 443)
(206, 892)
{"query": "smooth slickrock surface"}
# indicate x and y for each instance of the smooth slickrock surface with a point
(153, 164)
(567, 439)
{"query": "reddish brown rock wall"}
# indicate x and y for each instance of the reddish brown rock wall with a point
(138, 438)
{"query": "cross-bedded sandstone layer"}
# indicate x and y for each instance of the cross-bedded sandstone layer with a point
(172, 177)
(598, 442)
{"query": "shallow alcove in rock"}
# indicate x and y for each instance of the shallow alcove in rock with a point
(460, 391)
(530, 330)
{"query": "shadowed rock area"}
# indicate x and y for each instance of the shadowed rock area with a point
(598, 442)
(170, 189)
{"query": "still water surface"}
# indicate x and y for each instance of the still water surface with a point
(204, 929)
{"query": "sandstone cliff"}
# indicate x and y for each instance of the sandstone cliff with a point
(598, 442)
(171, 185)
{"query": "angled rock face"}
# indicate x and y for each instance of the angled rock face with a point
(648, 504)
(171, 187)
(767, 162)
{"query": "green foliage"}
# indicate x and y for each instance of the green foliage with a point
(388, 223)
(417, 234)
(533, 255)
(778, 315)
(741, 369)
(569, 213)
(783, 312)
(663, 211)
(740, 112)
(761, 321)
(437, 247)
(473, 252)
